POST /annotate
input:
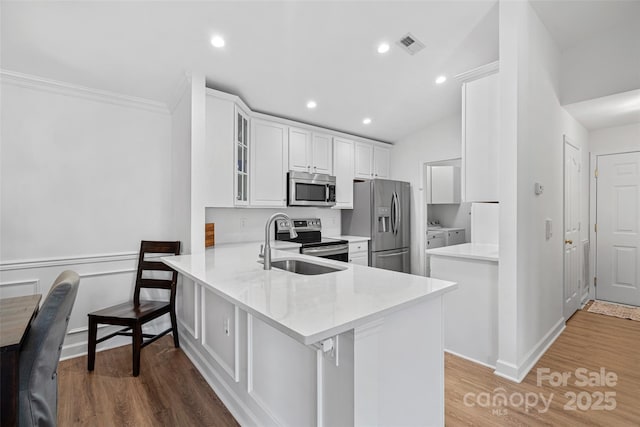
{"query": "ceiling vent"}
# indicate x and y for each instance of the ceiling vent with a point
(410, 44)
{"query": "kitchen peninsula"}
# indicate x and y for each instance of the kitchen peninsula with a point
(357, 346)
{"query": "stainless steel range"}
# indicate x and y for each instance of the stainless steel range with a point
(310, 236)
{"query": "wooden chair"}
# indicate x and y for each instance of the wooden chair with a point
(133, 314)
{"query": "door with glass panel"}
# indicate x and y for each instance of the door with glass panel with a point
(241, 157)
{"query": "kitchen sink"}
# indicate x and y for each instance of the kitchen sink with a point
(303, 267)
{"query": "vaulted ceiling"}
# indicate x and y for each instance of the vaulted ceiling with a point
(278, 54)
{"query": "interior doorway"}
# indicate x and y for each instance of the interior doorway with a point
(442, 209)
(618, 228)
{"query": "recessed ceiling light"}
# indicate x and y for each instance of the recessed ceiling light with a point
(366, 121)
(217, 41)
(383, 48)
(311, 105)
(441, 79)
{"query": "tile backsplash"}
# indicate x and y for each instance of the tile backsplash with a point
(247, 224)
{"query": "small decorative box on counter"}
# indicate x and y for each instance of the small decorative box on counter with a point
(209, 235)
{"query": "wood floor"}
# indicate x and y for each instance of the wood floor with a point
(168, 392)
(171, 392)
(591, 341)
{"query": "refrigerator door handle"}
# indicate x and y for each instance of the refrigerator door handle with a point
(399, 214)
(393, 254)
(396, 212)
(393, 212)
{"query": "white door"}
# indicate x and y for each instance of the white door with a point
(618, 232)
(572, 271)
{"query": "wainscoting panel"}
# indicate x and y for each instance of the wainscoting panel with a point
(105, 280)
(19, 288)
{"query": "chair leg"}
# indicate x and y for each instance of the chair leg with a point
(137, 346)
(174, 326)
(93, 335)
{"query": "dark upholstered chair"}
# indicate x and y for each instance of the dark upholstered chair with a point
(38, 400)
(133, 314)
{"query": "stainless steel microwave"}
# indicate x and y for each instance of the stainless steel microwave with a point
(310, 189)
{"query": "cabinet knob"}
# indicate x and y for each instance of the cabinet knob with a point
(568, 242)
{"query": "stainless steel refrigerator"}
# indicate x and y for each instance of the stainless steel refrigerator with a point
(381, 212)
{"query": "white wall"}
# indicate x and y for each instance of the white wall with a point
(247, 224)
(533, 125)
(439, 141)
(617, 139)
(605, 64)
(85, 175)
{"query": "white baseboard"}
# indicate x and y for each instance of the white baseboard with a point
(79, 349)
(470, 359)
(517, 373)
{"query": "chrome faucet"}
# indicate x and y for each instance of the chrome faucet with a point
(266, 249)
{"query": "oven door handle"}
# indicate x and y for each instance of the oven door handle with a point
(330, 250)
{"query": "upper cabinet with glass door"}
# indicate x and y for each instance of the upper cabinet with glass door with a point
(241, 157)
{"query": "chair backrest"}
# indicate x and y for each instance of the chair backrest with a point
(40, 354)
(151, 248)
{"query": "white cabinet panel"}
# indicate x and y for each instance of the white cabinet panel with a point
(480, 139)
(359, 252)
(364, 160)
(322, 153)
(281, 375)
(299, 152)
(310, 151)
(219, 332)
(269, 153)
(372, 161)
(218, 170)
(344, 168)
(381, 158)
(445, 184)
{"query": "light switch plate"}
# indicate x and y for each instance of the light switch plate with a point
(548, 227)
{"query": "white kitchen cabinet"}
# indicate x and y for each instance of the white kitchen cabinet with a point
(372, 161)
(268, 163)
(218, 171)
(359, 252)
(322, 153)
(364, 164)
(299, 150)
(344, 170)
(480, 139)
(381, 159)
(310, 151)
(444, 185)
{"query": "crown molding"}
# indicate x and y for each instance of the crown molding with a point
(479, 72)
(69, 89)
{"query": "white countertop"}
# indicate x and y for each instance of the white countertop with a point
(479, 251)
(351, 239)
(307, 308)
